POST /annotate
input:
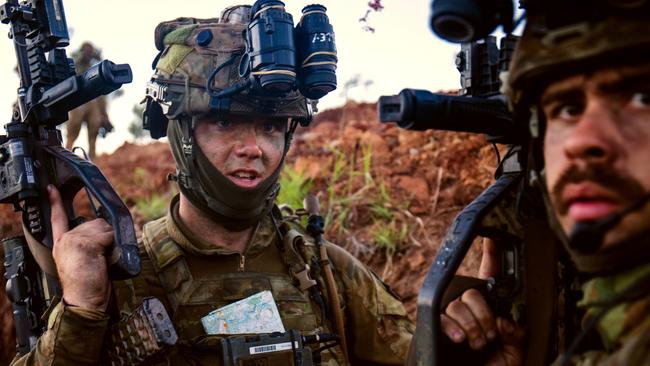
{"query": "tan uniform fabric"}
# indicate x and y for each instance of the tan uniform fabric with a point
(74, 336)
(93, 113)
(192, 280)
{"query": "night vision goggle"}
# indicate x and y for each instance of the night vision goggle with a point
(278, 59)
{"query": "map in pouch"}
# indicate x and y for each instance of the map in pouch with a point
(253, 315)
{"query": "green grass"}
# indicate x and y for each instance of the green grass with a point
(355, 202)
(141, 176)
(152, 207)
(389, 237)
(354, 194)
(155, 205)
(294, 186)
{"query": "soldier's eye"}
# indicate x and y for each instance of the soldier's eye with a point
(567, 111)
(268, 127)
(224, 123)
(272, 126)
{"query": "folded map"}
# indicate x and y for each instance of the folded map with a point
(253, 315)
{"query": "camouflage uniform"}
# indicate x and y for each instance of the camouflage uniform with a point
(192, 280)
(625, 329)
(93, 112)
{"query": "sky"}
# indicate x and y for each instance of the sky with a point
(401, 53)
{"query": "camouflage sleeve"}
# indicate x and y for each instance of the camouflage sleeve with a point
(632, 349)
(74, 336)
(378, 327)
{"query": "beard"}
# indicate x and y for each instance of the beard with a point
(626, 187)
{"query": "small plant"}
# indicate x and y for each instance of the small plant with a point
(380, 211)
(152, 207)
(295, 185)
(388, 237)
(333, 199)
(366, 152)
(150, 201)
(355, 196)
(141, 176)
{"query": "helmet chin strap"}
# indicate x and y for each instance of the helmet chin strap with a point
(212, 192)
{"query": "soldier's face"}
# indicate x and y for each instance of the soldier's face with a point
(597, 148)
(87, 51)
(245, 150)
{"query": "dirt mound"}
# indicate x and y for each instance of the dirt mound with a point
(388, 195)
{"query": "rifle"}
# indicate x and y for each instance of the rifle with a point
(531, 286)
(32, 157)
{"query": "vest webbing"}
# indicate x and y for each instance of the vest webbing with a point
(298, 249)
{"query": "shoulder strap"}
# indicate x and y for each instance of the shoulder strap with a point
(129, 293)
(167, 258)
(296, 239)
(160, 247)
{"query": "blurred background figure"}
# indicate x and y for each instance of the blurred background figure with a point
(92, 113)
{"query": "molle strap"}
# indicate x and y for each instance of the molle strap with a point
(297, 266)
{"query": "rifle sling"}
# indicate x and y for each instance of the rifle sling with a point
(41, 253)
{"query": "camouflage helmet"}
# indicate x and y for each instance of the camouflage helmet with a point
(193, 51)
(566, 37)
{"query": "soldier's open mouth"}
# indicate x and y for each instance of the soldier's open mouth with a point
(245, 178)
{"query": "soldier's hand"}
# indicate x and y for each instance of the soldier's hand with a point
(80, 257)
(469, 318)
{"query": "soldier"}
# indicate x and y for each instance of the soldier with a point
(94, 112)
(581, 72)
(223, 238)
